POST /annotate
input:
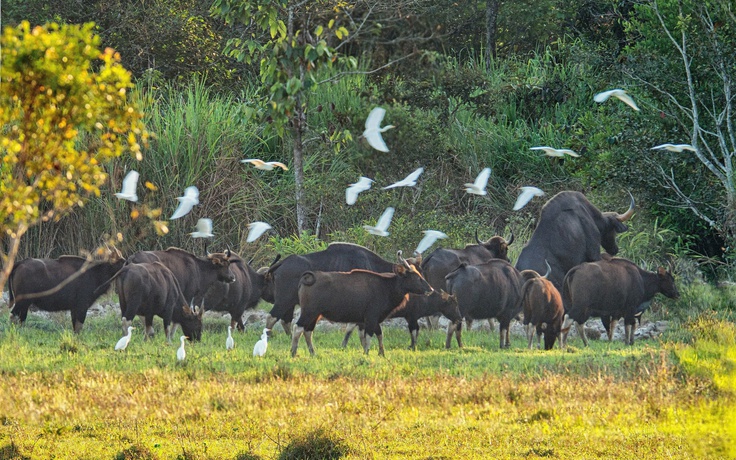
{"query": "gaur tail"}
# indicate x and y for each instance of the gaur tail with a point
(106, 285)
(308, 279)
(11, 294)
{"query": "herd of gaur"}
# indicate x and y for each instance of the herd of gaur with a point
(560, 278)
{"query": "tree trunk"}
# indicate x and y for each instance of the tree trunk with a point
(298, 129)
(492, 7)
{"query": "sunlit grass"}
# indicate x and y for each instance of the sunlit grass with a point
(75, 397)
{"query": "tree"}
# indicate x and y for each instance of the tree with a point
(684, 54)
(64, 111)
(290, 40)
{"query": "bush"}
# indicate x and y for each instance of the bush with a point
(316, 445)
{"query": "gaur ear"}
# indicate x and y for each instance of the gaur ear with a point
(661, 271)
(187, 310)
(399, 269)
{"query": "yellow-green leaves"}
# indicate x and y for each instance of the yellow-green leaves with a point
(65, 111)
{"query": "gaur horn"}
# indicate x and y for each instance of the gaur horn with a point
(511, 239)
(549, 269)
(476, 237)
(627, 215)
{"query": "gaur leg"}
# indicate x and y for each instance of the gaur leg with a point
(452, 327)
(298, 330)
(504, 333)
(469, 324)
(379, 333)
(78, 320)
(413, 332)
(530, 334)
(270, 323)
(149, 328)
(348, 332)
(126, 323)
(361, 335)
(581, 332)
(433, 322)
(308, 339)
(630, 328)
(19, 313)
(287, 326)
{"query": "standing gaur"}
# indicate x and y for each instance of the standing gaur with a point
(543, 310)
(359, 296)
(571, 231)
(68, 283)
(612, 288)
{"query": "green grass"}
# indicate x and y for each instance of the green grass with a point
(67, 396)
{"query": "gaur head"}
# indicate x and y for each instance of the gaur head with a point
(416, 284)
(611, 224)
(222, 261)
(191, 322)
(667, 283)
(498, 246)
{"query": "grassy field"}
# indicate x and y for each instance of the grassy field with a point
(63, 396)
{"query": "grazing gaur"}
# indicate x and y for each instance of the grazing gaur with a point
(488, 290)
(543, 310)
(359, 296)
(151, 289)
(242, 294)
(571, 231)
(442, 261)
(79, 282)
(612, 288)
(283, 277)
(194, 274)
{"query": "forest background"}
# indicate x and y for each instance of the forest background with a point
(467, 85)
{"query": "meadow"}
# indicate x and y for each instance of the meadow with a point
(67, 396)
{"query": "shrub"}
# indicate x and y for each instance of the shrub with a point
(317, 445)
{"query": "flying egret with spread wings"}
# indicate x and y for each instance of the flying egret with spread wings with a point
(186, 202)
(373, 129)
(675, 147)
(265, 165)
(479, 186)
(553, 152)
(382, 225)
(527, 193)
(204, 229)
(617, 93)
(408, 181)
(256, 229)
(130, 182)
(430, 236)
(351, 193)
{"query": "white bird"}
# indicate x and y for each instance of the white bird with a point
(408, 181)
(675, 147)
(230, 342)
(430, 236)
(186, 202)
(180, 353)
(373, 129)
(383, 222)
(553, 152)
(130, 182)
(204, 229)
(262, 345)
(125, 340)
(351, 193)
(256, 230)
(479, 186)
(527, 193)
(617, 93)
(265, 165)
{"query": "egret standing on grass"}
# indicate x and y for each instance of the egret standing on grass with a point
(180, 353)
(130, 182)
(256, 229)
(262, 345)
(204, 229)
(617, 93)
(382, 225)
(408, 181)
(351, 193)
(229, 343)
(125, 340)
(478, 187)
(186, 202)
(373, 129)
